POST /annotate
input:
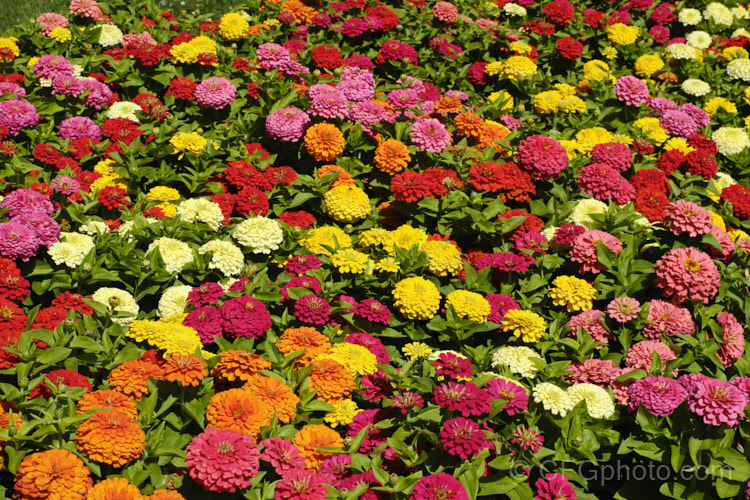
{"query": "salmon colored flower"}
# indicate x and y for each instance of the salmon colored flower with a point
(131, 377)
(185, 369)
(238, 410)
(331, 379)
(108, 399)
(52, 475)
(324, 141)
(110, 437)
(239, 365)
(276, 395)
(314, 436)
(115, 488)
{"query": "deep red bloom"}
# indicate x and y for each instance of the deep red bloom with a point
(327, 57)
(251, 200)
(532, 222)
(57, 377)
(182, 88)
(739, 196)
(671, 161)
(559, 12)
(410, 186)
(114, 197)
(299, 218)
(569, 48)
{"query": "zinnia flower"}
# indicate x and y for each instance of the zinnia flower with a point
(52, 474)
(660, 396)
(276, 395)
(573, 293)
(115, 487)
(526, 325)
(238, 410)
(282, 454)
(223, 461)
(301, 484)
(439, 486)
(110, 437)
(463, 437)
(313, 436)
(718, 402)
(554, 486)
(324, 142)
(687, 273)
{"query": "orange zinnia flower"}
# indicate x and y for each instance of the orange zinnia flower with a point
(301, 12)
(324, 141)
(164, 495)
(238, 410)
(53, 474)
(108, 399)
(490, 133)
(239, 365)
(392, 156)
(469, 124)
(185, 369)
(131, 377)
(343, 178)
(314, 436)
(116, 487)
(448, 105)
(304, 338)
(110, 437)
(332, 380)
(275, 394)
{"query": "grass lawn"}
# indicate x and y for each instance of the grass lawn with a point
(19, 11)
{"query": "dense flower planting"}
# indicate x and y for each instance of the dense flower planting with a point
(375, 249)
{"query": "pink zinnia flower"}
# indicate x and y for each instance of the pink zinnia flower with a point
(445, 11)
(733, 336)
(301, 485)
(631, 90)
(701, 118)
(584, 250)
(686, 217)
(51, 20)
(527, 438)
(287, 124)
(207, 293)
(554, 487)
(450, 365)
(312, 309)
(99, 94)
(514, 395)
(593, 371)
(12, 88)
(542, 157)
(403, 98)
(215, 93)
(330, 105)
(430, 135)
(375, 436)
(615, 155)
(67, 85)
(50, 66)
(718, 402)
(623, 309)
(282, 455)
(336, 467)
(463, 437)
(375, 386)
(440, 486)
(78, 127)
(300, 264)
(245, 317)
(691, 381)
(17, 241)
(567, 234)
(407, 401)
(665, 318)
(271, 55)
(532, 240)
(222, 461)
(677, 122)
(641, 353)
(373, 310)
(26, 200)
(45, 228)
(87, 8)
(308, 282)
(16, 115)
(687, 273)
(357, 89)
(466, 398)
(604, 183)
(660, 396)
(591, 322)
(65, 184)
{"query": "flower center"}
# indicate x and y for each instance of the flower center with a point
(691, 265)
(224, 448)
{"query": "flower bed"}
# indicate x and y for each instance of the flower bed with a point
(376, 250)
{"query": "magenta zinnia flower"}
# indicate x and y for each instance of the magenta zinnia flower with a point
(554, 487)
(78, 127)
(50, 66)
(222, 461)
(591, 322)
(312, 309)
(604, 183)
(677, 122)
(375, 386)
(407, 401)
(282, 455)
(542, 157)
(16, 115)
(687, 217)
(215, 93)
(448, 364)
(17, 241)
(336, 467)
(466, 398)
(615, 155)
(333, 105)
(373, 310)
(463, 437)
(687, 273)
(45, 228)
(26, 200)
(593, 371)
(271, 55)
(718, 402)
(527, 438)
(207, 293)
(660, 396)
(585, 246)
(513, 394)
(500, 304)
(207, 322)
(440, 486)
(245, 317)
